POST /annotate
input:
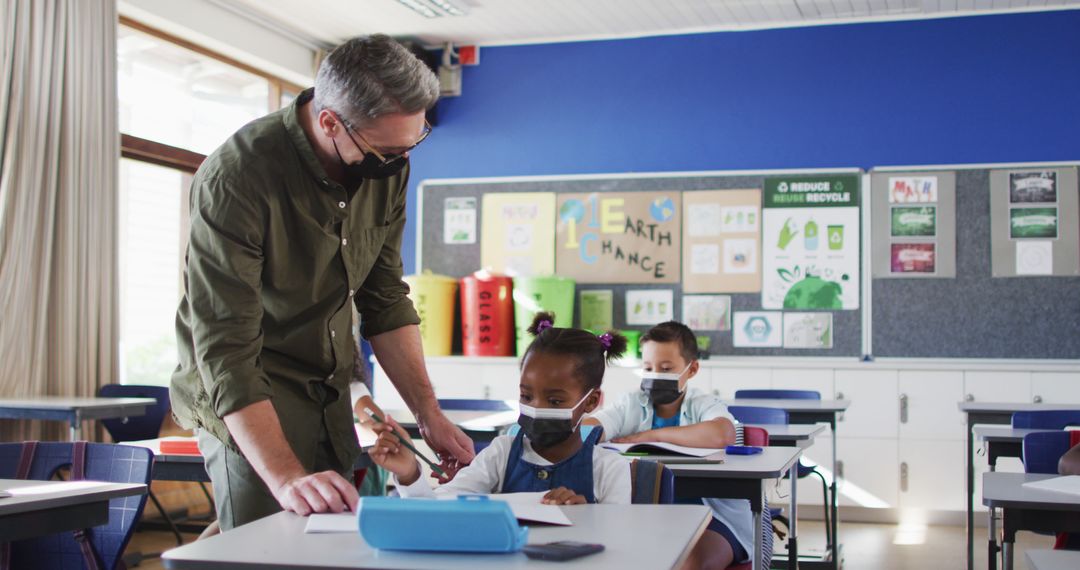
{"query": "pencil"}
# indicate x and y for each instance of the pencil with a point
(408, 444)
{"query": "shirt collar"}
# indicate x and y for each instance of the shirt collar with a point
(291, 119)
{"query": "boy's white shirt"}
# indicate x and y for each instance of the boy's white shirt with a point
(611, 474)
(634, 414)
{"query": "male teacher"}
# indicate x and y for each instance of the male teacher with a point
(295, 219)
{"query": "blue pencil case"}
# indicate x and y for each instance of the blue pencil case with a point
(467, 524)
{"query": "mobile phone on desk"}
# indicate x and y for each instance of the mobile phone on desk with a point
(562, 550)
(742, 449)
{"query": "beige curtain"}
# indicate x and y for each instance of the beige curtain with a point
(59, 153)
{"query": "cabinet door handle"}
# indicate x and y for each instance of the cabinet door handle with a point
(969, 398)
(839, 395)
(903, 408)
(487, 392)
(840, 470)
(904, 477)
(1037, 399)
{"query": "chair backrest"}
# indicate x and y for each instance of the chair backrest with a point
(1043, 449)
(137, 428)
(779, 394)
(759, 415)
(651, 483)
(755, 436)
(471, 404)
(1046, 419)
(104, 462)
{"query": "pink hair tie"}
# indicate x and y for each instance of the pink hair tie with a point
(605, 339)
(543, 326)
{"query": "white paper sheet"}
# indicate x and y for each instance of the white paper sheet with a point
(331, 522)
(527, 507)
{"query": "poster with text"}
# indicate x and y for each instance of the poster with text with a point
(518, 233)
(721, 238)
(909, 189)
(650, 306)
(459, 221)
(808, 330)
(758, 329)
(707, 312)
(913, 257)
(619, 237)
(1033, 223)
(1033, 187)
(810, 242)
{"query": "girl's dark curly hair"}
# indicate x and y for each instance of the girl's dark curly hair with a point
(593, 353)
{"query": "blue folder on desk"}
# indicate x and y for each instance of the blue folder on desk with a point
(468, 524)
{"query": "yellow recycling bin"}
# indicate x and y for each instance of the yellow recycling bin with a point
(433, 296)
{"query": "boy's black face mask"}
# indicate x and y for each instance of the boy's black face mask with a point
(660, 391)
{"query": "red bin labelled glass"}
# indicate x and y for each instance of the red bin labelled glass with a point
(487, 315)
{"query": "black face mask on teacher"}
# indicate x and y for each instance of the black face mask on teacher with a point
(370, 168)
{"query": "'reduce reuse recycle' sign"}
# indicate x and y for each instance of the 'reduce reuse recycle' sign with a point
(810, 242)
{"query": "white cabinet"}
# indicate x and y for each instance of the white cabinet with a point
(991, 386)
(470, 378)
(725, 381)
(619, 381)
(1055, 387)
(820, 380)
(928, 404)
(870, 474)
(931, 474)
(875, 404)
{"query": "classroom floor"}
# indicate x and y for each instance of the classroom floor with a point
(867, 546)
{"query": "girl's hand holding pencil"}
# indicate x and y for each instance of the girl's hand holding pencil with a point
(394, 452)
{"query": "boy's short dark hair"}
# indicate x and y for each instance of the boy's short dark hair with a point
(674, 331)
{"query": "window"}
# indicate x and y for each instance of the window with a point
(178, 102)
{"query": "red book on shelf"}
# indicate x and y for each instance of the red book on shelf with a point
(180, 446)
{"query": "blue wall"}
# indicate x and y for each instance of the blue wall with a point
(1002, 88)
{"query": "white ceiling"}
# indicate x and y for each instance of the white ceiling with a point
(492, 22)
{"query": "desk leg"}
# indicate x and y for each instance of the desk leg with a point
(992, 549)
(793, 546)
(1007, 555)
(835, 546)
(971, 496)
(758, 558)
(76, 427)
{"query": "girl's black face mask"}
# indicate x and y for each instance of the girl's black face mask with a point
(546, 427)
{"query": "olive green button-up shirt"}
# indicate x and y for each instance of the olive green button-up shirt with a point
(278, 253)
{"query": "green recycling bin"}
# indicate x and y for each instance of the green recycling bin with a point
(535, 294)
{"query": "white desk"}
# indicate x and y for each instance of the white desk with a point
(743, 477)
(1053, 559)
(788, 435)
(39, 508)
(804, 412)
(279, 541)
(73, 410)
(1024, 508)
(999, 413)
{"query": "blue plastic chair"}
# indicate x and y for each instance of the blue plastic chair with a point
(778, 394)
(1046, 419)
(104, 462)
(471, 404)
(136, 428)
(763, 415)
(147, 426)
(651, 483)
(1042, 451)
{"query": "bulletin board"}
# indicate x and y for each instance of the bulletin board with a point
(438, 253)
(983, 309)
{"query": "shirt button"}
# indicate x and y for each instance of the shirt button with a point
(330, 377)
(344, 242)
(333, 334)
(341, 204)
(351, 292)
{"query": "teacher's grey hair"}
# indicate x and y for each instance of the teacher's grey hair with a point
(371, 76)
